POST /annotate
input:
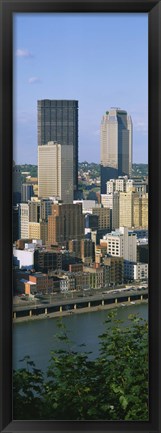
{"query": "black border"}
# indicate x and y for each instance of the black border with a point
(7, 8)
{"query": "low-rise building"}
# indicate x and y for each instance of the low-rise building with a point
(142, 252)
(76, 267)
(30, 288)
(67, 281)
(135, 271)
(96, 277)
(46, 260)
(23, 258)
(116, 265)
(44, 284)
(82, 281)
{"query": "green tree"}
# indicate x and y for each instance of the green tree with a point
(123, 370)
(112, 387)
(28, 390)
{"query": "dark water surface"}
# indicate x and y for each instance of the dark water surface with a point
(37, 338)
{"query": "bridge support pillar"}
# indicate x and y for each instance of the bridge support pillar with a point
(75, 306)
(89, 304)
(60, 309)
(141, 297)
(103, 302)
(30, 313)
(129, 299)
(115, 300)
(46, 311)
(14, 315)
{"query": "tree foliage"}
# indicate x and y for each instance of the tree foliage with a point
(114, 386)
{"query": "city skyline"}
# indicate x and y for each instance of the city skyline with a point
(84, 63)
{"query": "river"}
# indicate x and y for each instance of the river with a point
(37, 338)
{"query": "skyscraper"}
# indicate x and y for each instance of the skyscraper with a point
(23, 221)
(55, 171)
(58, 121)
(16, 177)
(116, 146)
(65, 223)
(26, 192)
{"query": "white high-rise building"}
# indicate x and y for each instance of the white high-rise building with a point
(111, 186)
(116, 145)
(23, 220)
(55, 171)
(122, 243)
(121, 183)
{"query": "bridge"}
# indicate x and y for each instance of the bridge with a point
(79, 303)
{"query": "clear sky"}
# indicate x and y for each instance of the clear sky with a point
(101, 60)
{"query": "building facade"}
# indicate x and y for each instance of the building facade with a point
(58, 121)
(23, 221)
(103, 217)
(122, 243)
(65, 223)
(55, 171)
(135, 271)
(116, 146)
(16, 178)
(116, 266)
(45, 261)
(26, 192)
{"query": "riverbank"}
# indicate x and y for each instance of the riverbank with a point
(78, 311)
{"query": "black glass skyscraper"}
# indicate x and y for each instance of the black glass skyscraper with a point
(58, 121)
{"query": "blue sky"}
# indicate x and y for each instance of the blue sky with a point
(101, 60)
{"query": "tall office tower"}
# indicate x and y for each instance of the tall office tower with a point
(40, 209)
(126, 209)
(58, 121)
(55, 171)
(34, 210)
(65, 223)
(16, 177)
(111, 201)
(115, 210)
(116, 146)
(39, 231)
(140, 210)
(107, 200)
(45, 211)
(144, 200)
(23, 221)
(103, 217)
(15, 220)
(91, 221)
(26, 192)
(111, 186)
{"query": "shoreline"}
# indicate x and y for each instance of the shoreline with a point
(79, 311)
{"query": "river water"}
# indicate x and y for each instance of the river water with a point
(37, 338)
